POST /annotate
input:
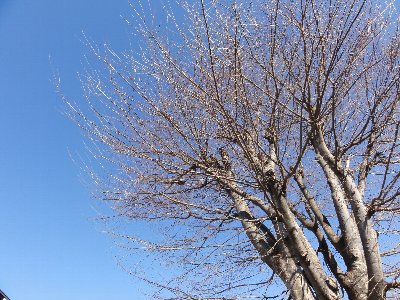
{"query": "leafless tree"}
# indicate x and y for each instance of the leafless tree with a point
(262, 138)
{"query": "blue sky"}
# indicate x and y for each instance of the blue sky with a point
(51, 247)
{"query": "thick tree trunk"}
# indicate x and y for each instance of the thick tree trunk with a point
(296, 283)
(274, 254)
(369, 238)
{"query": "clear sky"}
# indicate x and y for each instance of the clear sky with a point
(51, 247)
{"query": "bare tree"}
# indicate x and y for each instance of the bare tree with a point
(262, 137)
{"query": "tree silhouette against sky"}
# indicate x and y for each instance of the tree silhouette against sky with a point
(262, 139)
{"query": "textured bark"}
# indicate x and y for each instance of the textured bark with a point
(369, 239)
(363, 257)
(274, 254)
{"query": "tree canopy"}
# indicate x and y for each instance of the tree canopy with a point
(262, 138)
